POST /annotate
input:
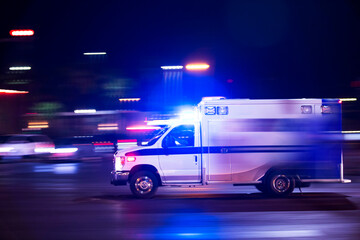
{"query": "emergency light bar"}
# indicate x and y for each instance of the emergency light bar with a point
(306, 109)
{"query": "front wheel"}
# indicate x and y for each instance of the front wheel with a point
(143, 184)
(280, 184)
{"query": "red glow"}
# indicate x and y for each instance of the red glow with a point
(21, 32)
(137, 128)
(103, 144)
(7, 91)
(230, 81)
(126, 140)
(340, 101)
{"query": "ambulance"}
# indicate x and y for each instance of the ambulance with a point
(275, 145)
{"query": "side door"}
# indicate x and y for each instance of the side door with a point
(180, 161)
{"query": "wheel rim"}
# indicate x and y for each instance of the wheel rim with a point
(144, 185)
(281, 183)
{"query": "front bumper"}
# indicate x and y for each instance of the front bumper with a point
(119, 178)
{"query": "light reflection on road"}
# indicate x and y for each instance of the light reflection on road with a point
(62, 168)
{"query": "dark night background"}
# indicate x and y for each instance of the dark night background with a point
(256, 49)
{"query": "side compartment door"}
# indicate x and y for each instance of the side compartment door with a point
(180, 160)
(219, 157)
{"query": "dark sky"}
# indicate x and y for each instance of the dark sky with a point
(270, 49)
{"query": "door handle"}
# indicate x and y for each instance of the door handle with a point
(196, 160)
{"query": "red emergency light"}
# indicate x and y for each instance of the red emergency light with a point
(21, 32)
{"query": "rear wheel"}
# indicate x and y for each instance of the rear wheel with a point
(280, 184)
(143, 184)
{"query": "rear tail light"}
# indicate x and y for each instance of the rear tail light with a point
(325, 109)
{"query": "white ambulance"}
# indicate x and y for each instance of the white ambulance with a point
(276, 145)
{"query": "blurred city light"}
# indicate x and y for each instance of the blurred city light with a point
(12, 91)
(135, 128)
(197, 66)
(95, 53)
(6, 149)
(171, 67)
(64, 150)
(85, 111)
(129, 99)
(20, 68)
(107, 126)
(353, 131)
(38, 125)
(21, 32)
(348, 99)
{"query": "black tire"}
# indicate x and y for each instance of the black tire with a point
(280, 184)
(144, 184)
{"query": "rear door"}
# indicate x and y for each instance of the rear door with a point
(180, 159)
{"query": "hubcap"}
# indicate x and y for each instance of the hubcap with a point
(143, 184)
(281, 183)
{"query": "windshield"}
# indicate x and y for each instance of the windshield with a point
(156, 135)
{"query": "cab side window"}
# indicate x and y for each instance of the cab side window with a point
(181, 136)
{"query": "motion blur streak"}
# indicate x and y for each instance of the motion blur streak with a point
(95, 53)
(171, 67)
(85, 111)
(129, 99)
(13, 91)
(142, 128)
(64, 150)
(22, 32)
(38, 123)
(19, 68)
(348, 99)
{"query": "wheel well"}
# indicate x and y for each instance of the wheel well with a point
(145, 167)
(294, 173)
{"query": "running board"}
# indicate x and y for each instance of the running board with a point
(326, 180)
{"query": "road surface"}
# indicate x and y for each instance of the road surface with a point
(74, 200)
